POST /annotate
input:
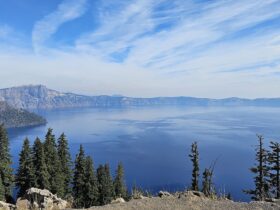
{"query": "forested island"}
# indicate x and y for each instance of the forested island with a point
(15, 117)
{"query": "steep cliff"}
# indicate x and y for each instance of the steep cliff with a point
(40, 97)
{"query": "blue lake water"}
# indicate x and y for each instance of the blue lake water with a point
(153, 143)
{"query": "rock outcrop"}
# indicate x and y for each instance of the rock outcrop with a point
(163, 194)
(118, 200)
(6, 206)
(40, 199)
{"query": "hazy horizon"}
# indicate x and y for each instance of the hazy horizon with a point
(143, 48)
(116, 94)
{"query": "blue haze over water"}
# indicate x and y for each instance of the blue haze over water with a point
(153, 143)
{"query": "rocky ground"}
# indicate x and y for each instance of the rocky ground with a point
(191, 200)
(188, 201)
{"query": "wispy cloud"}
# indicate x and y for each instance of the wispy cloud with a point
(43, 29)
(186, 35)
(162, 47)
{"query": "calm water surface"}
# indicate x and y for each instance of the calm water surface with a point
(153, 143)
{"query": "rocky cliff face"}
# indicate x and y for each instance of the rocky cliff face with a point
(40, 97)
(28, 97)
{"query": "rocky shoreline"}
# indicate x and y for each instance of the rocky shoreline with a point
(36, 199)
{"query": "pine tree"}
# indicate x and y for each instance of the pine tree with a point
(261, 173)
(6, 171)
(66, 164)
(53, 164)
(25, 173)
(106, 188)
(101, 183)
(91, 186)
(194, 156)
(207, 183)
(41, 173)
(274, 162)
(208, 187)
(79, 179)
(2, 190)
(109, 187)
(119, 183)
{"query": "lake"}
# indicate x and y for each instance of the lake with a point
(154, 143)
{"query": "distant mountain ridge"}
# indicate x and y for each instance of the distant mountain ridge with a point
(40, 97)
(13, 118)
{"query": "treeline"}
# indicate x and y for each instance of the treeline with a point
(207, 184)
(266, 171)
(47, 165)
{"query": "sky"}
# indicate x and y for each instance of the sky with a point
(143, 48)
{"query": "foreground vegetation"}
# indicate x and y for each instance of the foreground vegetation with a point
(266, 173)
(47, 165)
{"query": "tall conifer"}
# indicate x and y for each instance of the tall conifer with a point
(41, 172)
(66, 164)
(261, 171)
(194, 155)
(274, 173)
(119, 183)
(79, 179)
(91, 186)
(53, 164)
(6, 171)
(25, 173)
(106, 188)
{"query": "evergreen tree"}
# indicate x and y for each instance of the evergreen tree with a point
(207, 183)
(79, 179)
(41, 173)
(2, 190)
(101, 183)
(106, 187)
(53, 164)
(6, 171)
(208, 187)
(274, 162)
(66, 164)
(91, 186)
(109, 183)
(119, 183)
(261, 171)
(25, 173)
(194, 156)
